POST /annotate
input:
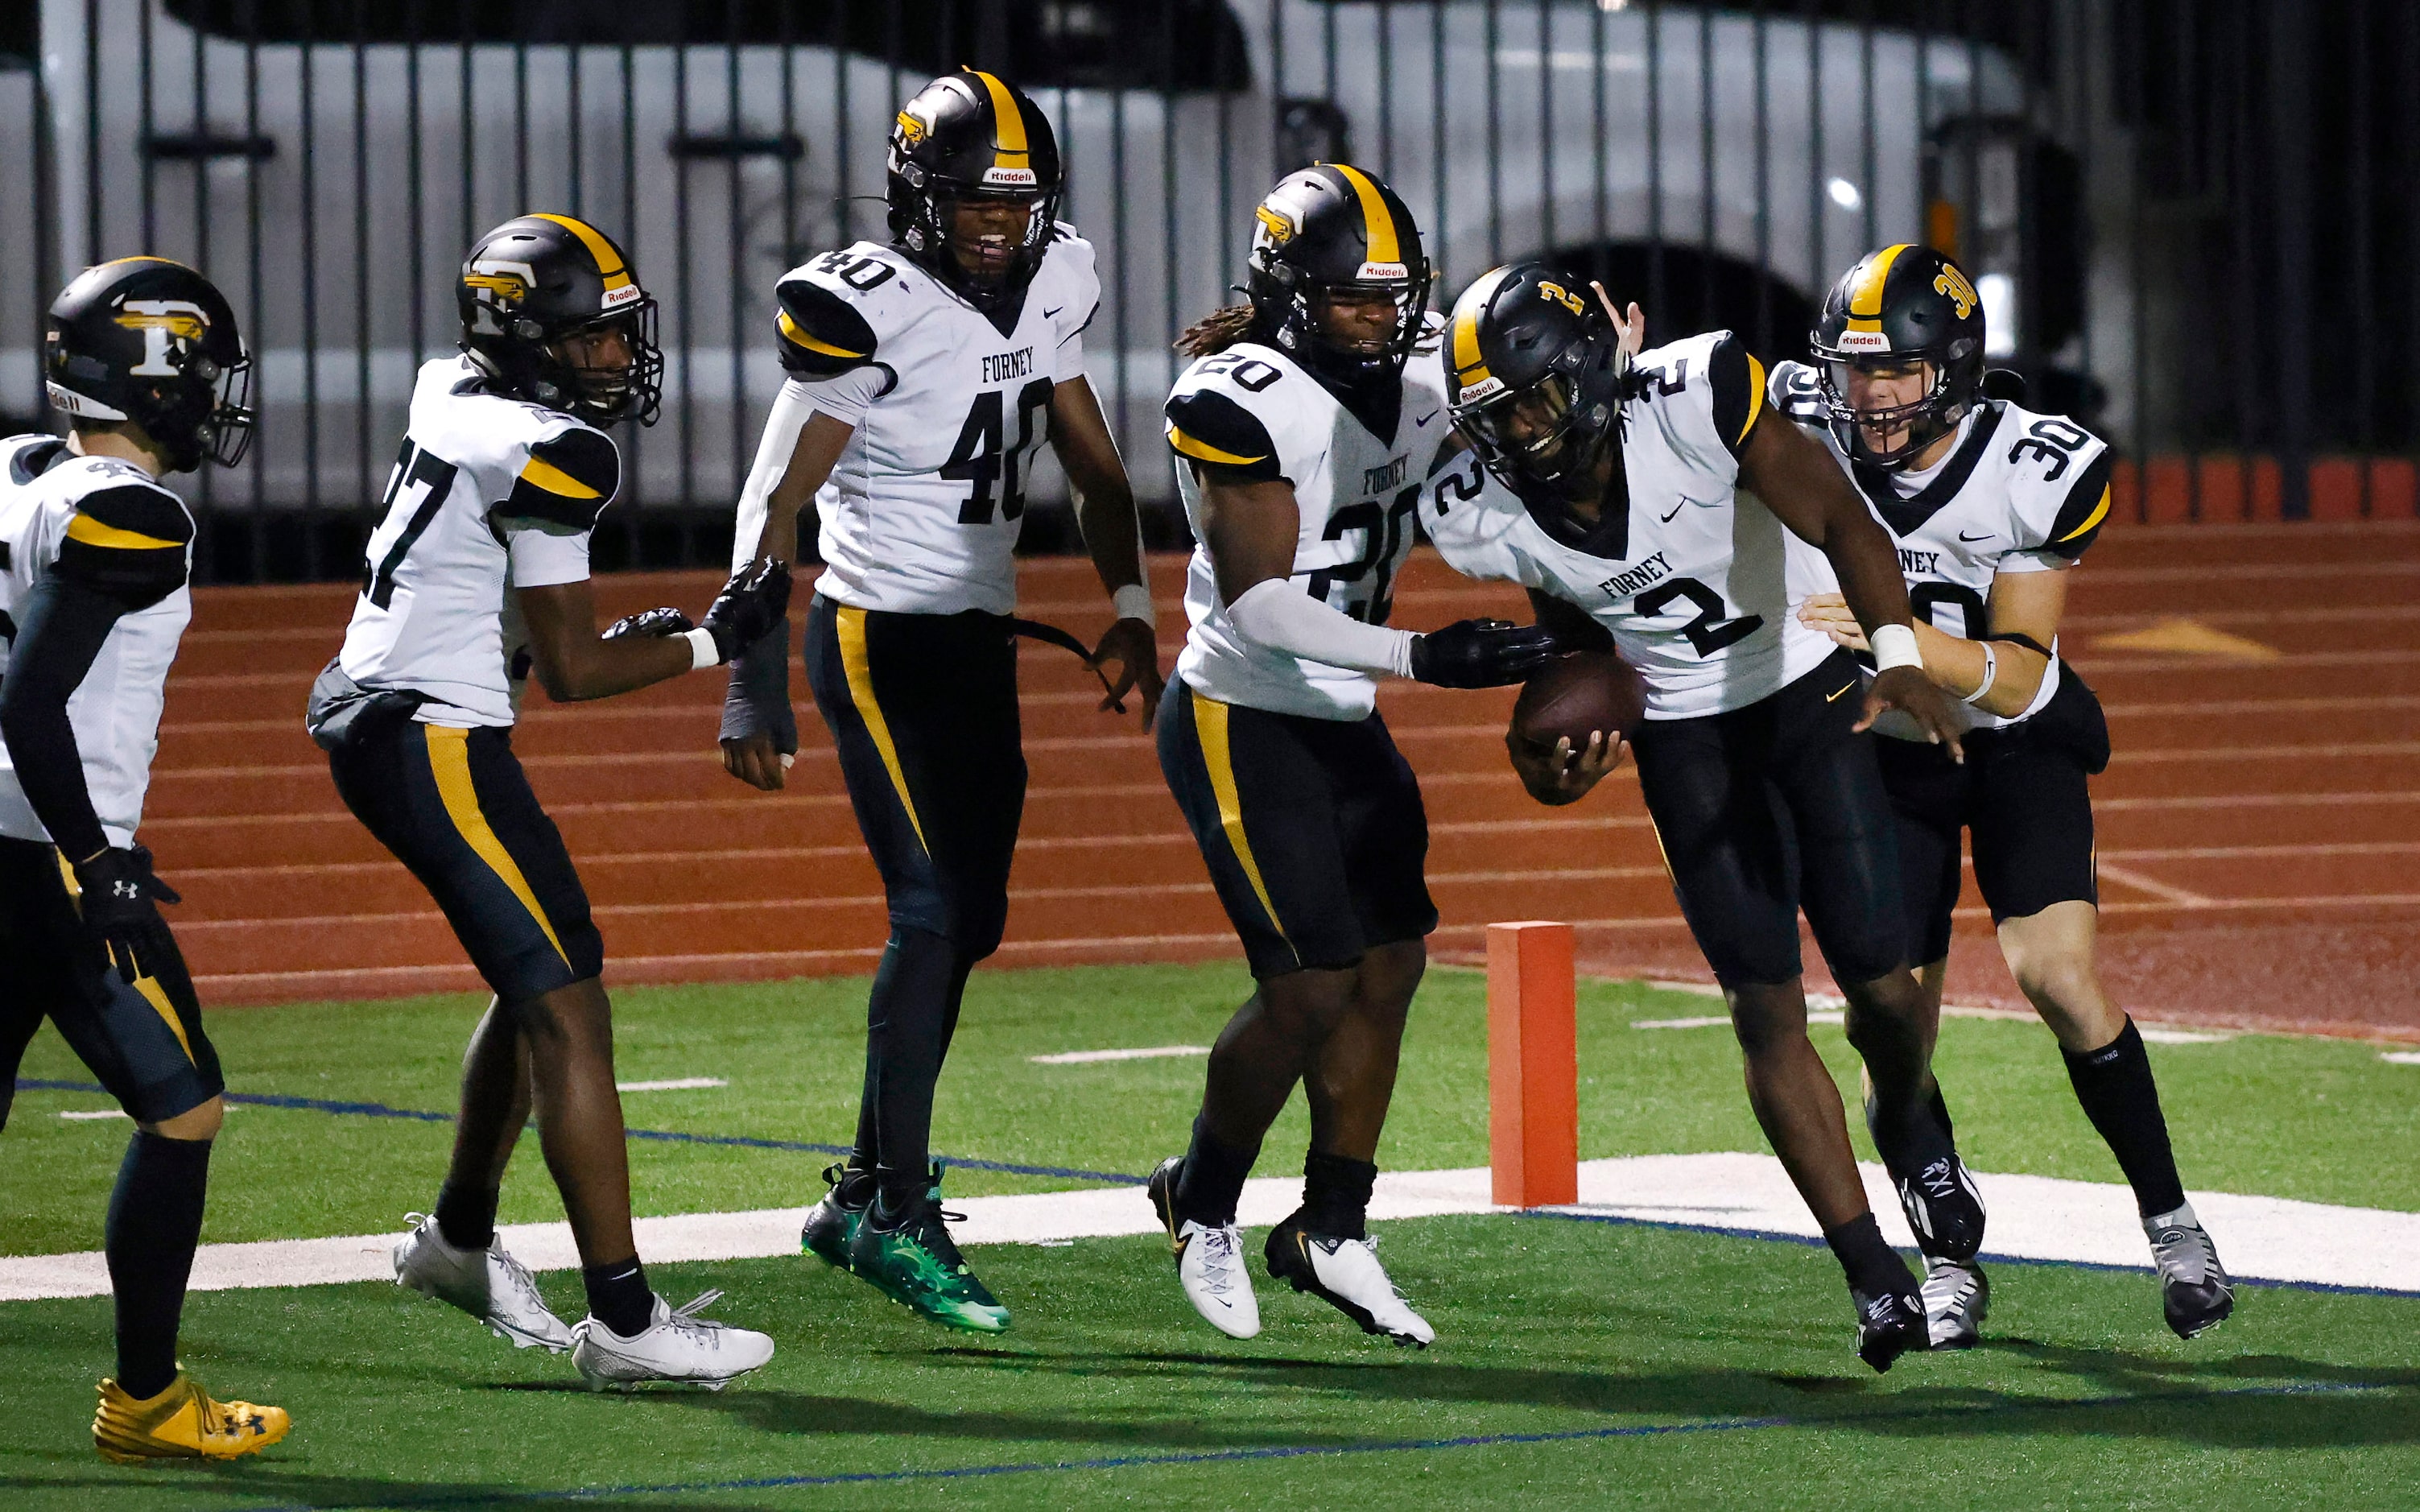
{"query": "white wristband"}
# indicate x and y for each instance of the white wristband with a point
(1895, 646)
(1990, 673)
(703, 652)
(1133, 601)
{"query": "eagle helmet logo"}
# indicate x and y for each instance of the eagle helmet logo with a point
(170, 328)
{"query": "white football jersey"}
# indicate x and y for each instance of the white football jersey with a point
(1692, 578)
(489, 493)
(921, 512)
(2018, 493)
(1255, 415)
(106, 524)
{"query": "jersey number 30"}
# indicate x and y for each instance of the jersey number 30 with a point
(979, 459)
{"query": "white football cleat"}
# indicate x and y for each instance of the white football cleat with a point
(1345, 1275)
(487, 1284)
(1957, 1297)
(1209, 1261)
(677, 1344)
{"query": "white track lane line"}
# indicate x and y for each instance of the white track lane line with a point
(1087, 1057)
(676, 1083)
(2035, 1218)
(2128, 876)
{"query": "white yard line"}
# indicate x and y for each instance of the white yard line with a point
(2400, 1057)
(1087, 1057)
(677, 1084)
(2034, 1218)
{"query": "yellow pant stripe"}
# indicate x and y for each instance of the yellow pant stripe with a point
(850, 623)
(449, 761)
(1210, 726)
(148, 988)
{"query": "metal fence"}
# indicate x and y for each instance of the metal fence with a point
(2180, 229)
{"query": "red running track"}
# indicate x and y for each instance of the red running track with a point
(2259, 828)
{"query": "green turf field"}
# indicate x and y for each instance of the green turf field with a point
(1599, 1365)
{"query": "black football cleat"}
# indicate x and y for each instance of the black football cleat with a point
(1943, 1209)
(1889, 1326)
(832, 1223)
(2195, 1291)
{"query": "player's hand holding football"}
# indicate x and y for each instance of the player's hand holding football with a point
(1560, 774)
(1830, 614)
(1909, 691)
(120, 902)
(1481, 653)
(1134, 646)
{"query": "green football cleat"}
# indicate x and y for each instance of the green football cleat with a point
(917, 1265)
(832, 1223)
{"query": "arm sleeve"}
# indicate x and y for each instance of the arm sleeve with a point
(60, 629)
(1227, 441)
(1276, 614)
(792, 409)
(128, 543)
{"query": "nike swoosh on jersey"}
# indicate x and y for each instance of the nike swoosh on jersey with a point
(1676, 510)
(1426, 418)
(1834, 697)
(1971, 540)
(1048, 314)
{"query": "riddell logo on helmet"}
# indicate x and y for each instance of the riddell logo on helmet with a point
(1011, 178)
(1485, 387)
(1379, 272)
(1863, 341)
(627, 294)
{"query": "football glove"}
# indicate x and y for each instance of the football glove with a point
(1481, 653)
(120, 902)
(752, 602)
(759, 700)
(666, 623)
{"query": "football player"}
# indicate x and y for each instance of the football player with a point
(143, 356)
(1614, 487)
(1989, 504)
(922, 373)
(1303, 435)
(476, 575)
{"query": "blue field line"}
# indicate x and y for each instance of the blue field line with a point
(1623, 1221)
(670, 1136)
(1474, 1441)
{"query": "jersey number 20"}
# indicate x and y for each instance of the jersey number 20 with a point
(979, 459)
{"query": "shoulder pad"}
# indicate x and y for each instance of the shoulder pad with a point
(568, 480)
(30, 457)
(2084, 510)
(129, 540)
(823, 333)
(1225, 440)
(1794, 389)
(1738, 381)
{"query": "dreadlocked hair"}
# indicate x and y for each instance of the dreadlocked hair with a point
(1216, 331)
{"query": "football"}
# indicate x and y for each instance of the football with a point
(1577, 695)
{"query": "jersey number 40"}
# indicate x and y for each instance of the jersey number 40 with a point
(979, 458)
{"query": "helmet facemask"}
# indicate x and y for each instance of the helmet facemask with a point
(1554, 431)
(1924, 420)
(225, 431)
(1302, 330)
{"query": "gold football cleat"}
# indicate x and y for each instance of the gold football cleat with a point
(181, 1423)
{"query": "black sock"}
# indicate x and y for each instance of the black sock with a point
(1909, 1138)
(855, 1188)
(2114, 1083)
(906, 1017)
(155, 1220)
(466, 1215)
(619, 1297)
(869, 1138)
(1212, 1179)
(1872, 1266)
(1335, 1194)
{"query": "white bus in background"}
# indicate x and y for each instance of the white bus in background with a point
(329, 185)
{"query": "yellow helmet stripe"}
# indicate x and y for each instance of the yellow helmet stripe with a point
(1008, 124)
(2090, 521)
(1203, 451)
(1377, 220)
(794, 332)
(1866, 294)
(1467, 365)
(609, 262)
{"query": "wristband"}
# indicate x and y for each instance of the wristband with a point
(1991, 672)
(1133, 601)
(703, 652)
(1895, 646)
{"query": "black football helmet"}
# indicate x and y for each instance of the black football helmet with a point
(1527, 344)
(972, 135)
(1326, 229)
(152, 341)
(537, 279)
(1900, 305)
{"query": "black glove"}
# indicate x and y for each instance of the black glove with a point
(1481, 653)
(663, 622)
(120, 902)
(759, 700)
(752, 602)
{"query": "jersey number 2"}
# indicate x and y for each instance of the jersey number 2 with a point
(433, 476)
(1710, 632)
(979, 459)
